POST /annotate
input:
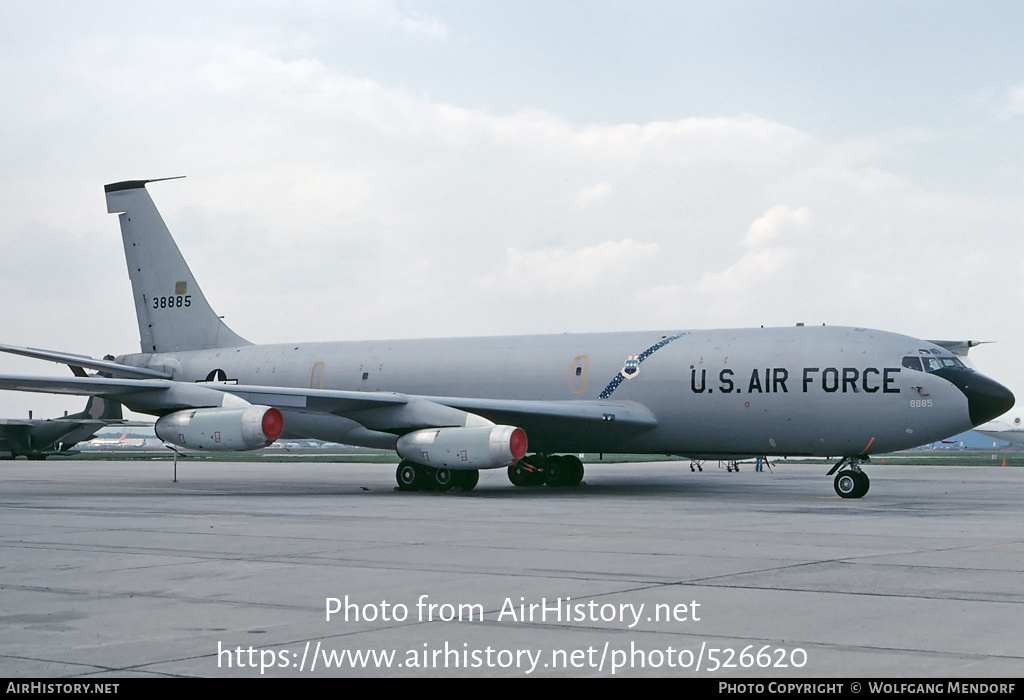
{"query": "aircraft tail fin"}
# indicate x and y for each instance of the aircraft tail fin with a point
(100, 408)
(104, 409)
(172, 312)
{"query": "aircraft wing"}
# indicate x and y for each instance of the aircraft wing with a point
(379, 411)
(400, 413)
(81, 386)
(555, 421)
(960, 348)
(14, 423)
(164, 395)
(629, 412)
(70, 432)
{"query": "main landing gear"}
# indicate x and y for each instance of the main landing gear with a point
(850, 482)
(731, 465)
(554, 470)
(416, 477)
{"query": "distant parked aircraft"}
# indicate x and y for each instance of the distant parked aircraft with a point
(41, 438)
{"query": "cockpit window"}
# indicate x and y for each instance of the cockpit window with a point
(931, 363)
(913, 363)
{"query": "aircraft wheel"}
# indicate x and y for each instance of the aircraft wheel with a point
(845, 484)
(851, 484)
(410, 476)
(574, 470)
(466, 479)
(521, 475)
(428, 475)
(558, 471)
(444, 479)
(863, 484)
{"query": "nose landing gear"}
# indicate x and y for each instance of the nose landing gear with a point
(850, 482)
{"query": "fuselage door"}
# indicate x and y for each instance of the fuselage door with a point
(578, 379)
(316, 376)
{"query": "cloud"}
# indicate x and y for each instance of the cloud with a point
(592, 194)
(560, 270)
(774, 224)
(419, 23)
(1015, 100)
(325, 201)
(772, 244)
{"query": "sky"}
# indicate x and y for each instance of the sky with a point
(386, 169)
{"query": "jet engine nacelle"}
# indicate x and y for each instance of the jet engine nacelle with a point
(483, 447)
(222, 429)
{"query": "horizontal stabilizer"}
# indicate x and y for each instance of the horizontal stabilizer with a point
(72, 360)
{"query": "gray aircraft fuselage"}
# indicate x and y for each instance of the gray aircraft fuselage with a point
(811, 390)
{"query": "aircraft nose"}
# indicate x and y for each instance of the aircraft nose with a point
(986, 398)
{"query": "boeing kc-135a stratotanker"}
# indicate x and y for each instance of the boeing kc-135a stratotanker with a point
(452, 406)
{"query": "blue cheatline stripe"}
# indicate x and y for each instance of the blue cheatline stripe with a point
(618, 379)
